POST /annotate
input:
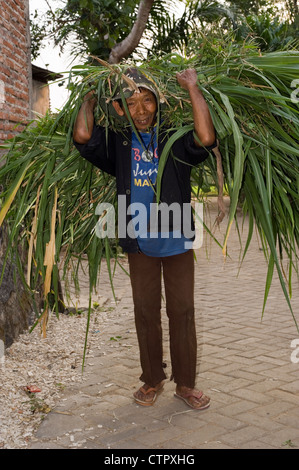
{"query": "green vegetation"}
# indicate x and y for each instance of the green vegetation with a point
(50, 193)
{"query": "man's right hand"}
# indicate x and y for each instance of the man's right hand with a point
(91, 98)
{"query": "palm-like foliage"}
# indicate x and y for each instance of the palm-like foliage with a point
(93, 27)
(269, 33)
(51, 193)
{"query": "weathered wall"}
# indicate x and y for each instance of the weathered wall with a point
(15, 66)
(16, 312)
(40, 98)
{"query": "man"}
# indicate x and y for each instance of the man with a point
(133, 157)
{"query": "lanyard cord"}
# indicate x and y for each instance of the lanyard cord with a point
(149, 153)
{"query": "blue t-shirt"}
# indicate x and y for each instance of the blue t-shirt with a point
(144, 169)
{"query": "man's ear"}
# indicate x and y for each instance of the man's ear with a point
(118, 108)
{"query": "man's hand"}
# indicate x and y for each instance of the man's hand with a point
(91, 98)
(187, 79)
(85, 119)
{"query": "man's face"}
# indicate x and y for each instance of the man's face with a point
(142, 108)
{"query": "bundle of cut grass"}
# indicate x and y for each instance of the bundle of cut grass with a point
(51, 194)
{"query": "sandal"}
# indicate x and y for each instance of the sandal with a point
(201, 401)
(146, 392)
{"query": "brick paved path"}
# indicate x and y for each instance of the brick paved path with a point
(245, 367)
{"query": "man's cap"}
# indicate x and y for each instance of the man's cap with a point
(130, 82)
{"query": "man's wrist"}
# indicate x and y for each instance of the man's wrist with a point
(90, 98)
(193, 89)
(89, 103)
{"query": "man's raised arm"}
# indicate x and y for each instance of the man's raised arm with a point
(85, 120)
(203, 124)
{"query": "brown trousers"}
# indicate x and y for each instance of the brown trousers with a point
(178, 275)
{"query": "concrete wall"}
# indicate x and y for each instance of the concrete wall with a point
(40, 98)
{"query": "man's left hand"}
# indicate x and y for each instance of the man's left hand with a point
(187, 79)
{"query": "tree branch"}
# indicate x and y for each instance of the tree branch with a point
(127, 46)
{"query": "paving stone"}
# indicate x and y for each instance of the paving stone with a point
(256, 444)
(214, 445)
(113, 437)
(272, 411)
(251, 417)
(292, 387)
(204, 435)
(161, 436)
(243, 435)
(173, 444)
(56, 424)
(225, 421)
(265, 386)
(256, 397)
(236, 406)
(286, 396)
(289, 418)
(284, 438)
(130, 444)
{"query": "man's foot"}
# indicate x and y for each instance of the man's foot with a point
(147, 395)
(193, 398)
